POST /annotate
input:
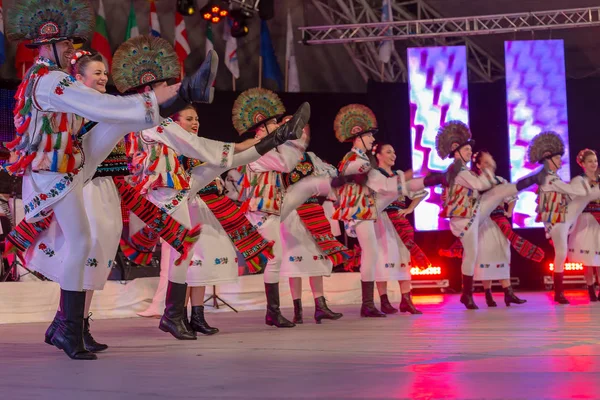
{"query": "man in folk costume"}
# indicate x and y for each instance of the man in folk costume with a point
(157, 172)
(559, 203)
(50, 158)
(359, 203)
(103, 195)
(464, 205)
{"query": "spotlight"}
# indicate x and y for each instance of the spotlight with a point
(239, 27)
(213, 12)
(186, 7)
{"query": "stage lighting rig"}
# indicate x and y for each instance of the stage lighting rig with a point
(239, 26)
(186, 7)
(213, 12)
(248, 5)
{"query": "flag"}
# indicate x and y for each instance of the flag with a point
(2, 46)
(132, 26)
(154, 24)
(100, 41)
(386, 46)
(209, 38)
(182, 47)
(271, 68)
(293, 83)
(23, 59)
(231, 60)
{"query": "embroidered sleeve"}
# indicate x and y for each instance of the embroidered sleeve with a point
(283, 159)
(577, 187)
(321, 167)
(355, 165)
(381, 184)
(59, 92)
(477, 182)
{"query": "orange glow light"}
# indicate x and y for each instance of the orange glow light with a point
(215, 20)
(431, 270)
(568, 267)
(207, 16)
(223, 13)
(215, 9)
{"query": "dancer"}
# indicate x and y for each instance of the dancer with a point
(559, 203)
(584, 240)
(396, 239)
(464, 205)
(356, 123)
(50, 157)
(308, 245)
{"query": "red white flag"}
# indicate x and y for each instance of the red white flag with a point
(182, 47)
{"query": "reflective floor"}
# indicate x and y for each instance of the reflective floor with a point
(533, 351)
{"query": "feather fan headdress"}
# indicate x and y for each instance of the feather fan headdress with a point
(451, 137)
(354, 120)
(544, 146)
(253, 107)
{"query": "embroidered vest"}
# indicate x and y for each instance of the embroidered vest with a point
(399, 204)
(551, 206)
(460, 202)
(154, 165)
(355, 201)
(261, 191)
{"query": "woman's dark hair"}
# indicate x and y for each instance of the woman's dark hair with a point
(83, 62)
(476, 159)
(378, 148)
(175, 116)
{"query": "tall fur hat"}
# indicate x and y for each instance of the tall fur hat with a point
(143, 60)
(451, 137)
(545, 145)
(254, 107)
(49, 21)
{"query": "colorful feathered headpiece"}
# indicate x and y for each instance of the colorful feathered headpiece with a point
(451, 137)
(143, 60)
(354, 120)
(253, 107)
(545, 145)
(49, 21)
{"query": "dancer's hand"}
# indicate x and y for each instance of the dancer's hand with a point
(163, 92)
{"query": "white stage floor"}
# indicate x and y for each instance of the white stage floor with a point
(533, 351)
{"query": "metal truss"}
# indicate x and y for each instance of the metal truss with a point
(416, 21)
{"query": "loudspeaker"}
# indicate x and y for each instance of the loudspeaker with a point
(125, 270)
(266, 9)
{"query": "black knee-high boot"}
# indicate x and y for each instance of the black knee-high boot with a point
(322, 311)
(68, 335)
(467, 293)
(274, 317)
(407, 305)
(511, 298)
(386, 306)
(52, 328)
(172, 320)
(559, 295)
(298, 319)
(489, 299)
(198, 322)
(368, 309)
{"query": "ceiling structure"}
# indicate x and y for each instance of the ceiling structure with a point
(482, 26)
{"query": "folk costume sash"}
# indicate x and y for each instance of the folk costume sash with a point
(407, 234)
(245, 237)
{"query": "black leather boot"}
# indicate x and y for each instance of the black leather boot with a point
(298, 312)
(386, 306)
(68, 335)
(467, 293)
(323, 312)
(407, 305)
(198, 322)
(197, 88)
(533, 179)
(52, 328)
(172, 320)
(291, 130)
(511, 297)
(592, 293)
(559, 295)
(368, 309)
(274, 317)
(489, 299)
(88, 339)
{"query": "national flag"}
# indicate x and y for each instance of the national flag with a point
(154, 24)
(132, 26)
(386, 46)
(271, 69)
(231, 60)
(2, 45)
(182, 47)
(293, 83)
(209, 38)
(23, 59)
(100, 41)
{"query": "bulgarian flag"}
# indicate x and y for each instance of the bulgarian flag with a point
(132, 26)
(100, 41)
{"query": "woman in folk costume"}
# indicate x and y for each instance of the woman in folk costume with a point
(559, 203)
(464, 205)
(397, 245)
(102, 195)
(359, 203)
(50, 158)
(495, 239)
(584, 240)
(157, 172)
(309, 248)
